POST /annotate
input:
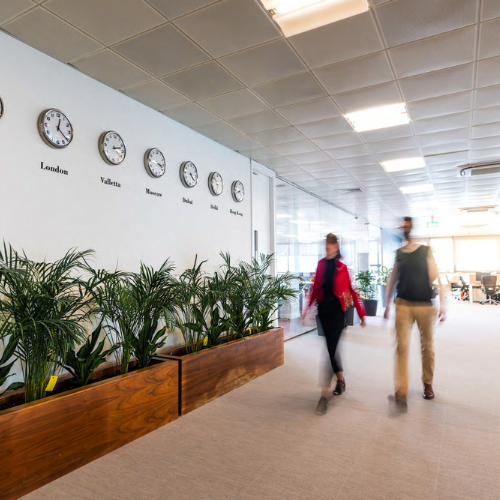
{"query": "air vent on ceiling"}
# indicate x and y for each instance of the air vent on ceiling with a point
(348, 190)
(479, 169)
(473, 210)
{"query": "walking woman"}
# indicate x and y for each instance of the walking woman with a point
(333, 292)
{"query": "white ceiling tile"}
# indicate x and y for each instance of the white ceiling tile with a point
(241, 102)
(489, 130)
(263, 154)
(492, 154)
(321, 166)
(275, 162)
(445, 122)
(371, 97)
(206, 80)
(305, 158)
(442, 51)
(449, 104)
(448, 147)
(355, 74)
(324, 128)
(258, 122)
(488, 72)
(485, 143)
(290, 90)
(489, 42)
(309, 111)
(487, 115)
(488, 97)
(393, 145)
(228, 26)
(291, 148)
(406, 20)
(338, 140)
(396, 155)
(278, 136)
(41, 29)
(9, 9)
(174, 8)
(384, 134)
(191, 114)
(438, 83)
(110, 21)
(217, 130)
(490, 10)
(237, 142)
(156, 94)
(456, 158)
(265, 62)
(461, 134)
(348, 151)
(352, 37)
(111, 69)
(357, 161)
(148, 50)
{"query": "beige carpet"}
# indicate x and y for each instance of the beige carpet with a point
(263, 441)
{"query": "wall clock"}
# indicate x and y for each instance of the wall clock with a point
(55, 128)
(238, 191)
(112, 148)
(215, 183)
(155, 163)
(189, 174)
(1, 107)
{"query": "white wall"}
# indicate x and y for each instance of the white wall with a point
(47, 213)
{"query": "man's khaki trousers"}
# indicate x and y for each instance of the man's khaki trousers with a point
(407, 313)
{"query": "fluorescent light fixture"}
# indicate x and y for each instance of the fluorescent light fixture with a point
(283, 216)
(417, 188)
(380, 117)
(297, 16)
(403, 164)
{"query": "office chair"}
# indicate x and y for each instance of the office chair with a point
(465, 289)
(489, 288)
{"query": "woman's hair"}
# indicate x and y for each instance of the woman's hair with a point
(331, 239)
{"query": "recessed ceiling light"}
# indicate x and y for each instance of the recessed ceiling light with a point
(297, 16)
(403, 164)
(380, 117)
(417, 188)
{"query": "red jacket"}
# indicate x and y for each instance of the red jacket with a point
(342, 287)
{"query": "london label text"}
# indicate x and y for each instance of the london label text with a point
(56, 170)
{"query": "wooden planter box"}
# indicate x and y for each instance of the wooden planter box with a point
(43, 440)
(210, 373)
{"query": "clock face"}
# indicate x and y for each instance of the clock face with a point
(55, 128)
(112, 148)
(215, 183)
(189, 174)
(155, 163)
(238, 191)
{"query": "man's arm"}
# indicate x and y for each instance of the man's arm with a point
(434, 276)
(390, 290)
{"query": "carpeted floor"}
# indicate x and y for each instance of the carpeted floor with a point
(263, 441)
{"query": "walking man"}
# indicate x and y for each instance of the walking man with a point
(414, 272)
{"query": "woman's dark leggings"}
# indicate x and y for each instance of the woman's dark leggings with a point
(332, 319)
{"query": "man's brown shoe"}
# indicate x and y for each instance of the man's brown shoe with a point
(428, 392)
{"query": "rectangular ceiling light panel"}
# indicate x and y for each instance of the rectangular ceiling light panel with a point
(380, 117)
(403, 164)
(418, 188)
(297, 16)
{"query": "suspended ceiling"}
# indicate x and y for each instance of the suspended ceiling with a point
(223, 68)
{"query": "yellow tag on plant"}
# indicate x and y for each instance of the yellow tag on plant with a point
(51, 384)
(205, 341)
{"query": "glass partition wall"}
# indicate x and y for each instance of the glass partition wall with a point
(302, 222)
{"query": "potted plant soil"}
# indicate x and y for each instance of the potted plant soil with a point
(366, 285)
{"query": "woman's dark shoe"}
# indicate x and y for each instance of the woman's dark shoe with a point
(339, 388)
(322, 406)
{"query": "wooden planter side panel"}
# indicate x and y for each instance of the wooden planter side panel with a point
(42, 441)
(209, 374)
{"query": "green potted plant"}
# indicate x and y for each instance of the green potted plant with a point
(383, 275)
(366, 285)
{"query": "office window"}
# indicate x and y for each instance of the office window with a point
(442, 249)
(477, 255)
